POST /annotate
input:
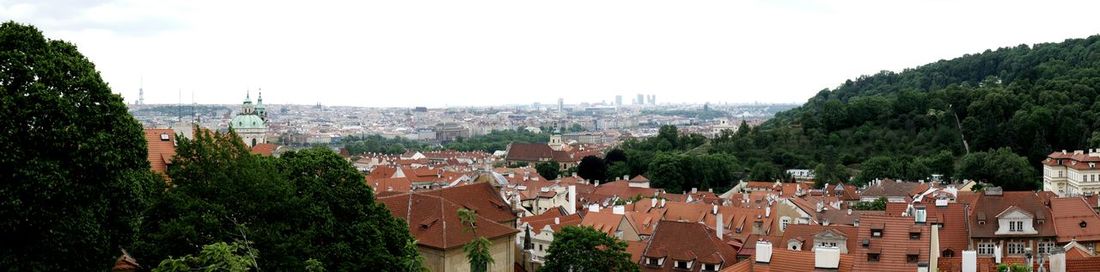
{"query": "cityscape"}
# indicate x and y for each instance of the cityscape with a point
(553, 141)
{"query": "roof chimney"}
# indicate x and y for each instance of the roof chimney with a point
(718, 224)
(763, 252)
(652, 202)
(827, 257)
(662, 203)
(594, 208)
(618, 209)
(714, 209)
(970, 261)
(557, 221)
(768, 211)
(572, 208)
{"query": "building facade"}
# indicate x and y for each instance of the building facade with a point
(1072, 174)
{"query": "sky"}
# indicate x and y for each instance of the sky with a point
(465, 53)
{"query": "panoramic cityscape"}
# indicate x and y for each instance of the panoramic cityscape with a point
(570, 136)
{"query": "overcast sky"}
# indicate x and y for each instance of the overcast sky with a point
(437, 53)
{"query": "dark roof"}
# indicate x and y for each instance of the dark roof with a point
(888, 188)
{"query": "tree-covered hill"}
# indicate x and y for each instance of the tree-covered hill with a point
(1031, 99)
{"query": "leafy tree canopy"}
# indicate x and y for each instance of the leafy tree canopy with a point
(74, 169)
(582, 249)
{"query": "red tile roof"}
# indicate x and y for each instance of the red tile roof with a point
(893, 246)
(434, 221)
(1075, 220)
(604, 221)
(264, 149)
(807, 233)
(687, 241)
(160, 151)
(990, 206)
(480, 197)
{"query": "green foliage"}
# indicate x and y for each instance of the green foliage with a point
(1012, 268)
(305, 204)
(580, 249)
(548, 170)
(701, 114)
(615, 156)
(357, 145)
(999, 167)
(829, 173)
(74, 169)
(477, 253)
(592, 168)
(876, 205)
(766, 171)
(497, 140)
(677, 172)
(219, 256)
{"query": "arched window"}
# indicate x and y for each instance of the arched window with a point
(253, 142)
(948, 253)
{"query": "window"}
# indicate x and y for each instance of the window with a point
(985, 248)
(1015, 248)
(872, 257)
(650, 261)
(914, 236)
(784, 222)
(948, 253)
(682, 265)
(1016, 226)
(1046, 247)
(712, 267)
(876, 232)
(912, 258)
(619, 234)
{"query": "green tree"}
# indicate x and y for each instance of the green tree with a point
(477, 250)
(592, 168)
(615, 156)
(548, 170)
(218, 256)
(305, 204)
(876, 205)
(581, 249)
(765, 171)
(76, 178)
(999, 167)
(829, 173)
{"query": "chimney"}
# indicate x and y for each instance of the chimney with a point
(714, 209)
(694, 190)
(849, 211)
(557, 221)
(662, 203)
(820, 206)
(718, 224)
(1058, 262)
(970, 261)
(763, 252)
(827, 257)
(618, 209)
(652, 202)
(768, 211)
(572, 208)
(626, 177)
(594, 208)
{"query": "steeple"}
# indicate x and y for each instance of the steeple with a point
(260, 109)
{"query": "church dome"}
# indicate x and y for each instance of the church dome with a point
(247, 121)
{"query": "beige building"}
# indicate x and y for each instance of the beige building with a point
(1072, 174)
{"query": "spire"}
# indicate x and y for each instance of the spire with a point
(260, 97)
(248, 95)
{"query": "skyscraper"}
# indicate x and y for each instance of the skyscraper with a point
(641, 99)
(619, 100)
(561, 104)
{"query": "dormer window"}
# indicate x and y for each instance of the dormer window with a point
(876, 233)
(685, 265)
(712, 267)
(914, 235)
(872, 257)
(164, 137)
(912, 258)
(1016, 226)
(654, 262)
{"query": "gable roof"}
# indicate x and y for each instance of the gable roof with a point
(160, 151)
(434, 221)
(604, 221)
(893, 246)
(687, 241)
(480, 197)
(808, 232)
(989, 206)
(1073, 213)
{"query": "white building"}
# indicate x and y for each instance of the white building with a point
(251, 123)
(1072, 174)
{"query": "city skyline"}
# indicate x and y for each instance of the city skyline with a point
(460, 54)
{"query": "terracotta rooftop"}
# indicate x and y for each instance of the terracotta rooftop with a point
(1075, 220)
(989, 206)
(264, 149)
(807, 233)
(434, 221)
(604, 221)
(162, 147)
(480, 197)
(687, 241)
(892, 247)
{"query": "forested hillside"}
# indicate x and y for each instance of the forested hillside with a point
(990, 116)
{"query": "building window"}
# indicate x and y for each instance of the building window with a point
(712, 267)
(872, 257)
(1015, 248)
(1046, 247)
(783, 223)
(876, 233)
(948, 253)
(914, 236)
(911, 258)
(985, 248)
(650, 261)
(1016, 226)
(682, 265)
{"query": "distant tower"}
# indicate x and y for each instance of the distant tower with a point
(619, 100)
(641, 99)
(261, 110)
(141, 92)
(248, 124)
(561, 104)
